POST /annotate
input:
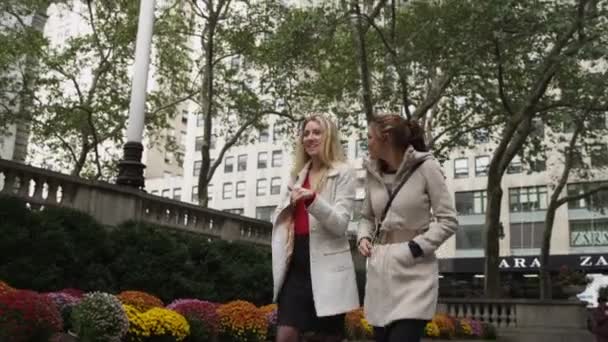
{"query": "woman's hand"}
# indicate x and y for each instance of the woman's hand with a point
(365, 247)
(300, 193)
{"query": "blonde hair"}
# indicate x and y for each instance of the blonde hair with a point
(331, 150)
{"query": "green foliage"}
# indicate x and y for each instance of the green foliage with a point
(73, 251)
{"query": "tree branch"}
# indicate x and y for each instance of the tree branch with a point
(173, 103)
(500, 76)
(434, 94)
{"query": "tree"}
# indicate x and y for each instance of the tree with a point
(80, 90)
(21, 24)
(416, 59)
(588, 131)
(535, 44)
(261, 59)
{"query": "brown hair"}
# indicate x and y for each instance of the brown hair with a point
(402, 133)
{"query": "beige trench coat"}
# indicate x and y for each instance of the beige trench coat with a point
(400, 286)
(331, 265)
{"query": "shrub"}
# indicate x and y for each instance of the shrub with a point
(356, 326)
(73, 292)
(156, 324)
(99, 317)
(201, 315)
(446, 325)
(270, 311)
(432, 330)
(140, 300)
(4, 288)
(64, 303)
(27, 316)
(241, 321)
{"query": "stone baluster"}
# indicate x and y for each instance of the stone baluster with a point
(24, 186)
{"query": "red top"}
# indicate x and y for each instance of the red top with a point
(300, 216)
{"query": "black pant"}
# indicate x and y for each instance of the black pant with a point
(404, 330)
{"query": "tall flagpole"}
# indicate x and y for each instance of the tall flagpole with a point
(130, 168)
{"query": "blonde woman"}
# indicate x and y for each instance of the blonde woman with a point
(313, 271)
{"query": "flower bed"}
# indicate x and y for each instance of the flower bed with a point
(141, 318)
(140, 300)
(27, 316)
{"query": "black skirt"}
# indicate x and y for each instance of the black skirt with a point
(296, 306)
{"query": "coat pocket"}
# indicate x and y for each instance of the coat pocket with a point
(400, 257)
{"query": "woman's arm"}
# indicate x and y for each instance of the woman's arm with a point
(366, 223)
(334, 217)
(443, 209)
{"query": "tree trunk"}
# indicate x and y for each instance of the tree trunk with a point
(207, 108)
(492, 275)
(545, 274)
(358, 35)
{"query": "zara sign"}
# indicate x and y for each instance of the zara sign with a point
(584, 262)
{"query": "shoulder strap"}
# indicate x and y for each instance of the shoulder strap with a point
(392, 194)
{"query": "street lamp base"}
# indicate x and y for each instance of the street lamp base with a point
(130, 168)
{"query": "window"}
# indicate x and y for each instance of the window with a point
(200, 120)
(262, 160)
(275, 185)
(177, 194)
(461, 168)
(538, 129)
(277, 158)
(182, 138)
(599, 155)
(344, 144)
(471, 202)
(242, 162)
(184, 116)
(526, 234)
(228, 164)
(597, 121)
(240, 189)
(236, 211)
(538, 165)
(227, 191)
(154, 192)
(264, 213)
(356, 213)
(515, 166)
(197, 168)
(260, 187)
(264, 135)
(194, 198)
(481, 165)
(577, 157)
(361, 148)
(597, 202)
(198, 144)
(589, 233)
(481, 136)
(209, 192)
(470, 237)
(179, 158)
(528, 199)
(166, 193)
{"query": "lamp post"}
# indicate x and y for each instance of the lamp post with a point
(130, 168)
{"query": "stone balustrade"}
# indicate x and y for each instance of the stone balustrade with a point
(112, 205)
(524, 320)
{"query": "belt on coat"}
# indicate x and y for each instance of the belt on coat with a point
(387, 237)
